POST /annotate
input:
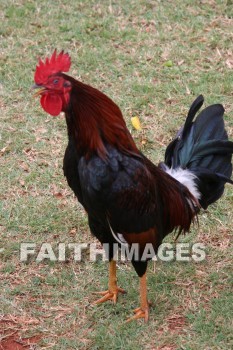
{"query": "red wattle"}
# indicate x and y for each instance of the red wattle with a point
(52, 104)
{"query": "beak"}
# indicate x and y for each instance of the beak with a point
(40, 90)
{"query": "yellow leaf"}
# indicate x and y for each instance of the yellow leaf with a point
(136, 123)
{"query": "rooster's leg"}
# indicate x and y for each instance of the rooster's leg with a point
(113, 289)
(143, 310)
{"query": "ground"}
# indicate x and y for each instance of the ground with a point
(152, 58)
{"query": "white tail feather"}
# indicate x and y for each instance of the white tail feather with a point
(187, 178)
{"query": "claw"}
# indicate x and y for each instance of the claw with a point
(140, 313)
(109, 295)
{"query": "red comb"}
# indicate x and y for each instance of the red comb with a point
(56, 63)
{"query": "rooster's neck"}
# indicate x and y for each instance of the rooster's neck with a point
(94, 120)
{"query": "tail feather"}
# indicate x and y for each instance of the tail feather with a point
(209, 148)
(177, 143)
(210, 120)
(195, 106)
(202, 147)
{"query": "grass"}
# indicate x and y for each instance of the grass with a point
(153, 58)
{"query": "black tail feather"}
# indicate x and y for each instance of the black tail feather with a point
(177, 143)
(202, 146)
(195, 106)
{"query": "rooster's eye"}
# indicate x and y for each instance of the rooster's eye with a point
(55, 82)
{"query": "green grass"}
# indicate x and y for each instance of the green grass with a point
(153, 58)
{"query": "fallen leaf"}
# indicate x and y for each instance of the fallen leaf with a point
(73, 231)
(136, 123)
(24, 166)
(229, 63)
(168, 63)
(58, 195)
(3, 150)
(188, 92)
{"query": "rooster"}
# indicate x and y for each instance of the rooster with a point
(128, 199)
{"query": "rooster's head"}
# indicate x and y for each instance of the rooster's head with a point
(52, 86)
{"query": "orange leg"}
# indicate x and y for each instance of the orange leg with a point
(143, 310)
(113, 289)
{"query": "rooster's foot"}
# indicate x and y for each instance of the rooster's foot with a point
(140, 313)
(109, 295)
